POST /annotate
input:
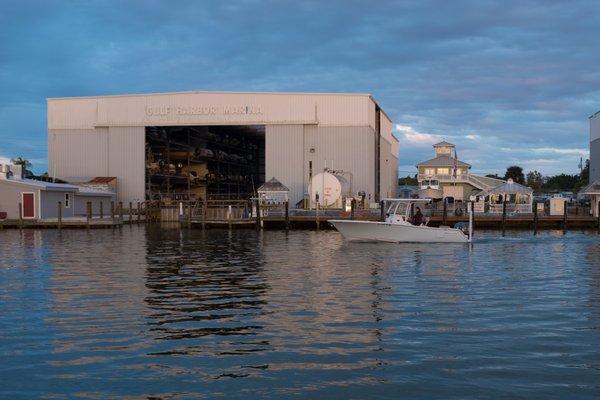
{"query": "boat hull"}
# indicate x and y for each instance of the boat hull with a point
(388, 232)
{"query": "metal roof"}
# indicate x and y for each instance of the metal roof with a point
(102, 179)
(510, 187)
(43, 185)
(273, 185)
(443, 161)
(592, 188)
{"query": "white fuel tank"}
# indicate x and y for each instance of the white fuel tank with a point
(330, 188)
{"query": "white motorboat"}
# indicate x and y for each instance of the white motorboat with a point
(398, 228)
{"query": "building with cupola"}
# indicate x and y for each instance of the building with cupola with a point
(446, 176)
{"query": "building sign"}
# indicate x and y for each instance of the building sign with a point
(163, 111)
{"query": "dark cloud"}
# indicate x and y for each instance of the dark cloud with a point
(509, 82)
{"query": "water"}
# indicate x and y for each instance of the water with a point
(162, 313)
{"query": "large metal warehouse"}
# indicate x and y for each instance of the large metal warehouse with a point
(221, 145)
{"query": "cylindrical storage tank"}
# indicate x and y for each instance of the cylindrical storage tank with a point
(330, 188)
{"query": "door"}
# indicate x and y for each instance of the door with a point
(28, 205)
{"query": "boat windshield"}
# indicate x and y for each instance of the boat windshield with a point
(398, 207)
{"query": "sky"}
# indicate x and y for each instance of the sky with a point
(508, 82)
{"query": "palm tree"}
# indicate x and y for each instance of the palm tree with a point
(24, 163)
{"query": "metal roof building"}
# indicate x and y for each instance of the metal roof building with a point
(595, 147)
(221, 144)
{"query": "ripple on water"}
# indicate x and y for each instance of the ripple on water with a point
(149, 312)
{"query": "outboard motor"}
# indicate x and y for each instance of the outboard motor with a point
(463, 226)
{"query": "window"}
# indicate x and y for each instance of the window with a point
(443, 171)
(67, 200)
(429, 171)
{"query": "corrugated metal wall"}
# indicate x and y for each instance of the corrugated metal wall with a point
(126, 161)
(284, 157)
(595, 147)
(338, 127)
(348, 148)
(385, 165)
(291, 148)
(87, 153)
(78, 152)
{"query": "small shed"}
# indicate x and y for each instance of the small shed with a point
(518, 198)
(273, 192)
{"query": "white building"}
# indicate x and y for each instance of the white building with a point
(221, 145)
(595, 147)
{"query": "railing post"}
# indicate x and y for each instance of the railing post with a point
(59, 215)
(535, 218)
(88, 213)
(287, 215)
(503, 217)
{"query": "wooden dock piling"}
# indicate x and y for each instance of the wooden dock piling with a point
(20, 215)
(59, 215)
(317, 217)
(352, 208)
(130, 213)
(139, 212)
(88, 214)
(112, 212)
(598, 214)
(258, 222)
(504, 218)
(101, 209)
(564, 224)
(287, 215)
(382, 211)
(121, 211)
(535, 218)
(445, 212)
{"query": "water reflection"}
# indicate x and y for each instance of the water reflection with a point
(161, 312)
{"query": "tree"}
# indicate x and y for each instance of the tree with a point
(535, 180)
(585, 173)
(495, 176)
(562, 183)
(515, 173)
(408, 180)
(25, 164)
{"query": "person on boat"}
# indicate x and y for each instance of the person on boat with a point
(418, 217)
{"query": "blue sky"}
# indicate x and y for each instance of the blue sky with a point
(509, 82)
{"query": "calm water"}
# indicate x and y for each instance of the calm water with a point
(162, 313)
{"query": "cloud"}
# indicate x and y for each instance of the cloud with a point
(410, 136)
(483, 75)
(554, 150)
